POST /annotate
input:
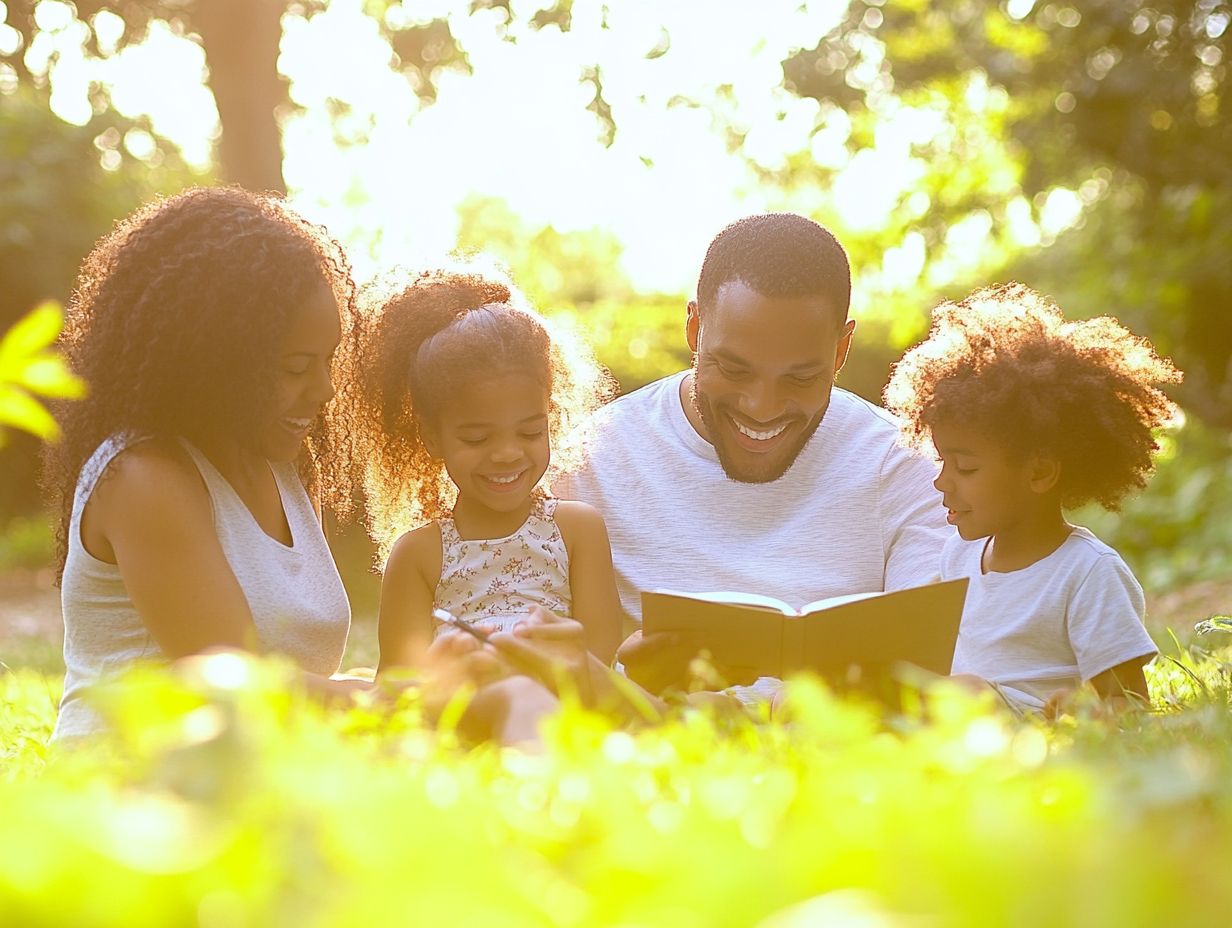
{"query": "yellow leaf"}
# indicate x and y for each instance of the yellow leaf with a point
(30, 334)
(47, 375)
(20, 410)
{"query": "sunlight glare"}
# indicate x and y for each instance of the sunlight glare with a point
(386, 174)
(902, 265)
(53, 15)
(867, 190)
(178, 104)
(108, 30)
(1021, 223)
(70, 98)
(1062, 209)
(10, 39)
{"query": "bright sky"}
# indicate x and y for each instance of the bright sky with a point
(517, 128)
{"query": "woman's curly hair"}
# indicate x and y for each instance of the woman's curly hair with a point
(420, 338)
(175, 324)
(1004, 361)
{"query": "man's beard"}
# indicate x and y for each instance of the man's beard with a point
(777, 464)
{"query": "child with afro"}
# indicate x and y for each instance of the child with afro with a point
(1031, 415)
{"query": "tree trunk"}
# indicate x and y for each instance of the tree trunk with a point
(241, 39)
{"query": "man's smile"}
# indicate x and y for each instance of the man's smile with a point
(757, 438)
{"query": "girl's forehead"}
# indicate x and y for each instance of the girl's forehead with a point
(505, 396)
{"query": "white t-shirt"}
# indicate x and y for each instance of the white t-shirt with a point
(1053, 625)
(856, 512)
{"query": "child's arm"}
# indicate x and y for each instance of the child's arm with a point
(1123, 680)
(1105, 623)
(592, 581)
(1117, 687)
(553, 650)
(408, 589)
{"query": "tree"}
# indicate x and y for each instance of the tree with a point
(241, 42)
(1123, 101)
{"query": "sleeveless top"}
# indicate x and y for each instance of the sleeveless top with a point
(297, 600)
(497, 580)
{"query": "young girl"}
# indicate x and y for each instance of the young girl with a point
(1031, 415)
(458, 397)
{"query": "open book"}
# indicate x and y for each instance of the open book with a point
(866, 633)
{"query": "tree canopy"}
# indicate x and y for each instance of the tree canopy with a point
(1123, 102)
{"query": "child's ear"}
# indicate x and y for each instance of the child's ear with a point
(1043, 473)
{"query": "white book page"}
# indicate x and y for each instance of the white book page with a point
(739, 599)
(836, 601)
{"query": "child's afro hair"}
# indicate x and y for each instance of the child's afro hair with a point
(1004, 361)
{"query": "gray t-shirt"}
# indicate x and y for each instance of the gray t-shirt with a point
(856, 512)
(298, 603)
(1050, 626)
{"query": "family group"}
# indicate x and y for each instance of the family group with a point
(240, 385)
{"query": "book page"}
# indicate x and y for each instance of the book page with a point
(832, 601)
(753, 600)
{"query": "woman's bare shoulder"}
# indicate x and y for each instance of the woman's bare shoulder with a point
(157, 471)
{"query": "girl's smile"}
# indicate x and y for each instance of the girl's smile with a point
(493, 437)
(505, 483)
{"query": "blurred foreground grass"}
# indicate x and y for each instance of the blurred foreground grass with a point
(224, 800)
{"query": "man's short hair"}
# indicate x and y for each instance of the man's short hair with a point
(778, 255)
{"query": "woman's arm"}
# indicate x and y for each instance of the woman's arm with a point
(151, 516)
(592, 581)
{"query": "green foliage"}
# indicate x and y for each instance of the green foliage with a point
(639, 340)
(61, 187)
(26, 542)
(552, 268)
(1160, 264)
(1124, 102)
(1179, 530)
(225, 799)
(576, 277)
(59, 198)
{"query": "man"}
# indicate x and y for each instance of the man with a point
(751, 471)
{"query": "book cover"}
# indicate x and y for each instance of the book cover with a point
(865, 634)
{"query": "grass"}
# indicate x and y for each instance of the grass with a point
(223, 799)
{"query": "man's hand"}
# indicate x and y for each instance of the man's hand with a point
(661, 661)
(657, 661)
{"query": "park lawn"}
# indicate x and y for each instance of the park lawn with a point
(224, 800)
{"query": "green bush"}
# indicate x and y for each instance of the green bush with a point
(1179, 529)
(638, 340)
(225, 800)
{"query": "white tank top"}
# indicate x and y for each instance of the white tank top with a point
(297, 600)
